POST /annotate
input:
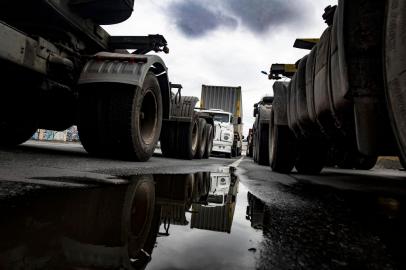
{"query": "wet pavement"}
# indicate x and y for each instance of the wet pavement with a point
(61, 209)
(205, 220)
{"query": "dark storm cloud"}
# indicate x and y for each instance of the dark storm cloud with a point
(261, 15)
(194, 19)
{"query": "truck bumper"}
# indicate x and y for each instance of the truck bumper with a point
(221, 147)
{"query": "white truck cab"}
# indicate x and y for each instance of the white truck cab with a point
(223, 131)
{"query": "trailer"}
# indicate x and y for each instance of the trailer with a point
(225, 104)
(55, 57)
(345, 103)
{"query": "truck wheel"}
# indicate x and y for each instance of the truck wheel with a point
(255, 146)
(395, 67)
(402, 162)
(263, 145)
(16, 131)
(188, 139)
(18, 121)
(202, 139)
(112, 217)
(366, 163)
(282, 147)
(311, 158)
(125, 123)
(209, 144)
(168, 139)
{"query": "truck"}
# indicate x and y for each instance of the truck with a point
(60, 68)
(345, 101)
(260, 130)
(225, 104)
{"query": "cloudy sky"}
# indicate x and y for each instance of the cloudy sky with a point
(227, 42)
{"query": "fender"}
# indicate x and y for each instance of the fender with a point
(279, 105)
(130, 69)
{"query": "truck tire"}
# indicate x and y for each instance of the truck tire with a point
(119, 217)
(18, 122)
(188, 139)
(209, 144)
(282, 147)
(357, 161)
(16, 130)
(202, 140)
(395, 71)
(125, 123)
(249, 151)
(168, 139)
(366, 163)
(311, 157)
(263, 145)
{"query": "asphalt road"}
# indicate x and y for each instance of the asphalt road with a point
(60, 164)
(340, 219)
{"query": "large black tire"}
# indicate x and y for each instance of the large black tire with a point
(311, 157)
(202, 140)
(402, 162)
(263, 144)
(169, 139)
(395, 69)
(18, 121)
(282, 147)
(119, 217)
(209, 144)
(351, 160)
(249, 150)
(366, 163)
(125, 123)
(188, 139)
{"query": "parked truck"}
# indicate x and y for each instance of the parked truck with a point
(225, 104)
(262, 114)
(60, 68)
(345, 103)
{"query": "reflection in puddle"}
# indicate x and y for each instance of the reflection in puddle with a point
(115, 227)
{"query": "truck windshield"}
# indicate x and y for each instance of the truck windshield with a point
(220, 117)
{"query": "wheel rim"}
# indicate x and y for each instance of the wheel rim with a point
(148, 117)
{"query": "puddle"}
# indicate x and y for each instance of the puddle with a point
(206, 220)
(191, 221)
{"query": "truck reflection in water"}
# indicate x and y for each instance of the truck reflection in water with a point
(218, 213)
(113, 227)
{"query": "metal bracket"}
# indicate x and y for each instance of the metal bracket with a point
(278, 70)
(178, 94)
(141, 44)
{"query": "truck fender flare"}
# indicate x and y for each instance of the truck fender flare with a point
(279, 105)
(130, 69)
